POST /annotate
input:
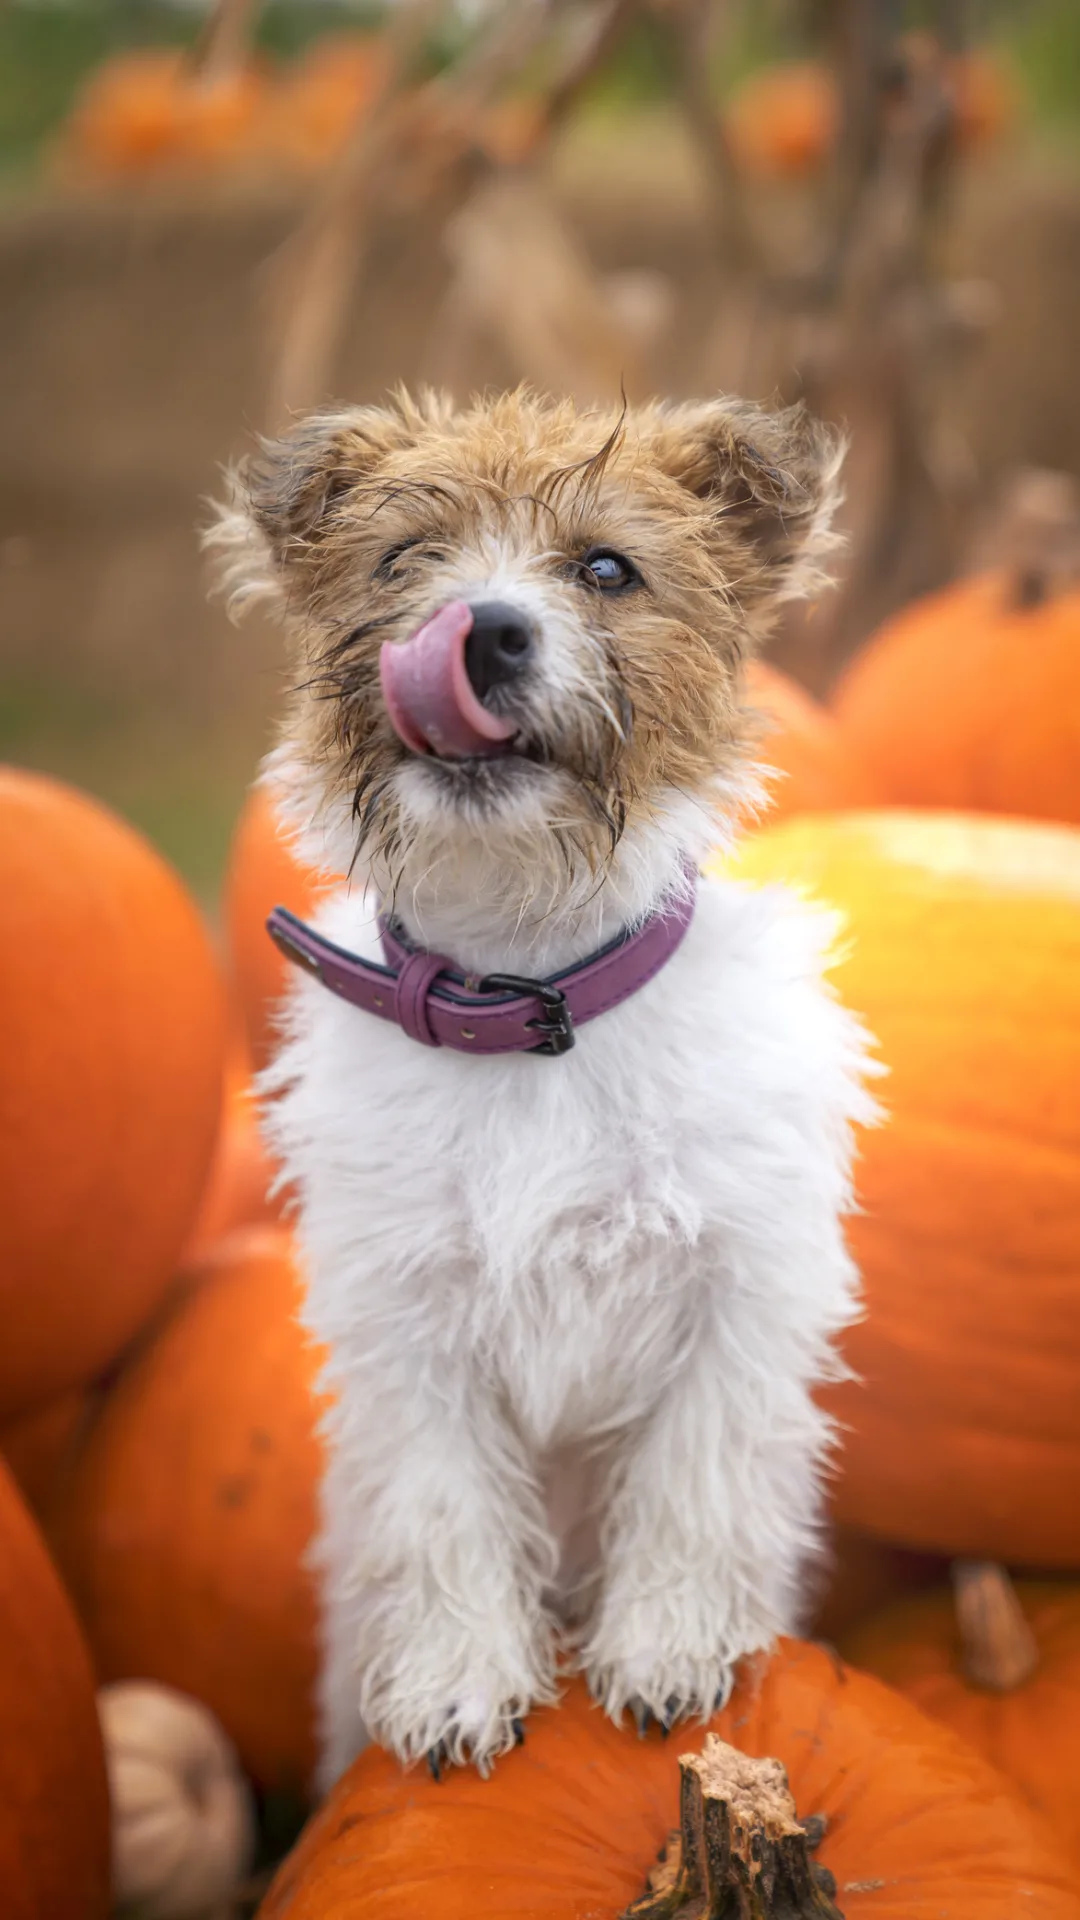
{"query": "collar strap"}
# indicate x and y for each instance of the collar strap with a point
(435, 1004)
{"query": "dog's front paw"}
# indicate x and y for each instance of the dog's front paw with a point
(441, 1755)
(473, 1733)
(657, 1686)
(484, 1718)
(662, 1693)
(669, 1654)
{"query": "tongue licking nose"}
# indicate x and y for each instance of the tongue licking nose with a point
(432, 702)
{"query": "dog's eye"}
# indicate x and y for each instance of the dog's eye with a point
(416, 547)
(610, 570)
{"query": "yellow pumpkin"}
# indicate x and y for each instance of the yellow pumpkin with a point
(962, 954)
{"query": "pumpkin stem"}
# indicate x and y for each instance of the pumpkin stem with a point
(740, 1852)
(999, 1650)
(1036, 537)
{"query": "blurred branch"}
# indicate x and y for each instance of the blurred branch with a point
(316, 268)
(523, 286)
(693, 24)
(222, 44)
(405, 146)
(596, 40)
(882, 334)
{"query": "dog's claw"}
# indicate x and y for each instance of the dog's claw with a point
(641, 1716)
(437, 1759)
(519, 1732)
(644, 1717)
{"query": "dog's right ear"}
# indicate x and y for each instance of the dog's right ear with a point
(281, 501)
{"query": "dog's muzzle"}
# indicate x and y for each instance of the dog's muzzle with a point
(436, 684)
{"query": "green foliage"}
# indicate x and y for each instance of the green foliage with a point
(1044, 40)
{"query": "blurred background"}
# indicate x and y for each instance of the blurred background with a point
(212, 218)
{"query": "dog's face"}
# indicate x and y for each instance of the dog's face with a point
(522, 621)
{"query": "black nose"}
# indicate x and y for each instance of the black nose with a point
(499, 647)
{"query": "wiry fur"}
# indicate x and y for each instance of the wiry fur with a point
(574, 1308)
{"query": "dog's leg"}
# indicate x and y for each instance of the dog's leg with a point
(712, 1513)
(435, 1558)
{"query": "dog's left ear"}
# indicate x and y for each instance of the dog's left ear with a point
(771, 482)
(283, 499)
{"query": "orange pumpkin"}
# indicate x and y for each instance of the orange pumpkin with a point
(54, 1798)
(570, 1823)
(962, 1433)
(263, 873)
(861, 1575)
(146, 110)
(110, 1082)
(39, 1447)
(985, 98)
(783, 118)
(971, 698)
(242, 1174)
(183, 1529)
(802, 742)
(309, 116)
(1001, 1666)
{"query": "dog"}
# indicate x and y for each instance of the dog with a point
(575, 1299)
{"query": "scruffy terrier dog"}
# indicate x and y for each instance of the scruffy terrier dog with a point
(575, 1296)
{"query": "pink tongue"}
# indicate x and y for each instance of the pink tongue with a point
(427, 692)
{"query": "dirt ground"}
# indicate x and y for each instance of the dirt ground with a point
(134, 347)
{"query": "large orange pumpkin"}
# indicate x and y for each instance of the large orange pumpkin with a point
(184, 1528)
(803, 743)
(110, 1083)
(238, 1188)
(41, 1446)
(263, 872)
(1001, 1666)
(963, 955)
(54, 1798)
(861, 1575)
(971, 698)
(569, 1824)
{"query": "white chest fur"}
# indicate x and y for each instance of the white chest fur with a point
(561, 1216)
(630, 1253)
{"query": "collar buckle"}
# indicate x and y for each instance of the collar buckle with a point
(557, 1028)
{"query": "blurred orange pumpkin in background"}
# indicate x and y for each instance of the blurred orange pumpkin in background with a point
(861, 1575)
(238, 1187)
(183, 1528)
(569, 1825)
(147, 109)
(54, 1798)
(802, 741)
(263, 872)
(962, 953)
(971, 698)
(315, 104)
(1001, 1666)
(784, 118)
(41, 1446)
(110, 1084)
(985, 97)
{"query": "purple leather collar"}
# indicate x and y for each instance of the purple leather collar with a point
(431, 1001)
